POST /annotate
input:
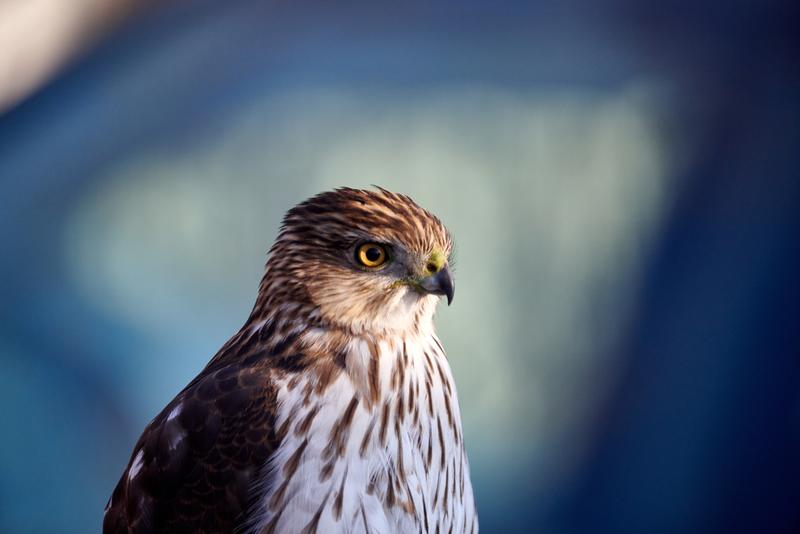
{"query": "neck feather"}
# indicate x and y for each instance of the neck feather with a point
(293, 334)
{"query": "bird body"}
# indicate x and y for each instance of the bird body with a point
(333, 409)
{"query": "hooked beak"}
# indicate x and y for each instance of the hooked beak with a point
(440, 283)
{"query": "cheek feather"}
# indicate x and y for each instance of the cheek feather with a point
(361, 303)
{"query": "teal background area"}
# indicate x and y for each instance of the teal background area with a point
(620, 178)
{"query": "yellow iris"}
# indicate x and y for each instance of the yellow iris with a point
(371, 255)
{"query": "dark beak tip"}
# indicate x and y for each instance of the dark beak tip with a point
(448, 287)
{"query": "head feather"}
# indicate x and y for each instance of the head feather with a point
(310, 269)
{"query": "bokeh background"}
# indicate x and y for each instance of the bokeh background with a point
(621, 179)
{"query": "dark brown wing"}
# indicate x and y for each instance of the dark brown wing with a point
(196, 464)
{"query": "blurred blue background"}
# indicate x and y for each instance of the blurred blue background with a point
(621, 179)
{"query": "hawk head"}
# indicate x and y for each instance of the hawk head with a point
(360, 260)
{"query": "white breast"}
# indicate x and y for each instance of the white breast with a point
(352, 461)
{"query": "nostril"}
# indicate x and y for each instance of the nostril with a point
(431, 267)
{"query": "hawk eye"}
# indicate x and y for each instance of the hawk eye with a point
(371, 255)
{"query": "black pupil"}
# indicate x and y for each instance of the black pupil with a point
(373, 254)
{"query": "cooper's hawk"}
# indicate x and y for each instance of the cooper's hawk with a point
(333, 409)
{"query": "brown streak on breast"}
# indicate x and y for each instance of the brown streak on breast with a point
(441, 442)
(436, 491)
(384, 422)
(448, 409)
(327, 452)
(425, 514)
(325, 375)
(397, 429)
(308, 389)
(461, 476)
(338, 502)
(390, 499)
(401, 471)
(294, 381)
(294, 460)
(403, 366)
(446, 487)
(410, 506)
(410, 395)
(429, 457)
(430, 398)
(341, 428)
(445, 381)
(441, 349)
(327, 470)
(311, 527)
(284, 428)
(277, 498)
(270, 528)
(365, 440)
(395, 380)
(401, 408)
(428, 363)
(303, 426)
(373, 372)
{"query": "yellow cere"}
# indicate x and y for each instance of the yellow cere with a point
(435, 262)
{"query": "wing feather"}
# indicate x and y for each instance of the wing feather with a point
(195, 464)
